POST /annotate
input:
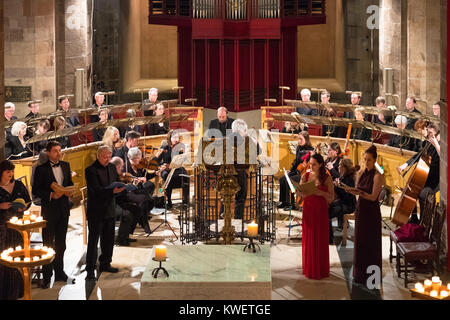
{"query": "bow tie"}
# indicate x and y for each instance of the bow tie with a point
(54, 165)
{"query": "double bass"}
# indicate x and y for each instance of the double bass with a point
(414, 186)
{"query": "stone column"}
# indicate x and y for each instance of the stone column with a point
(424, 52)
(73, 36)
(393, 47)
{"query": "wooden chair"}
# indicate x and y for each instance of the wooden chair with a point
(425, 221)
(83, 210)
(420, 251)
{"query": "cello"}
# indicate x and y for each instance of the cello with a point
(414, 186)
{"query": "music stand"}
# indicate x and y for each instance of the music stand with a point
(166, 223)
(292, 190)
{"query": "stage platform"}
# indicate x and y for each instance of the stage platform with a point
(210, 272)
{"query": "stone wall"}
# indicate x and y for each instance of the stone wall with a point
(413, 44)
(361, 44)
(45, 42)
(106, 64)
(30, 50)
(73, 46)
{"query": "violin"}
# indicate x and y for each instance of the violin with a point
(119, 143)
(126, 177)
(148, 164)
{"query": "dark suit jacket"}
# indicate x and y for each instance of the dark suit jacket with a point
(335, 171)
(52, 209)
(154, 129)
(15, 147)
(72, 121)
(215, 124)
(101, 203)
(411, 122)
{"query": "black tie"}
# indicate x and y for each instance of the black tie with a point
(54, 165)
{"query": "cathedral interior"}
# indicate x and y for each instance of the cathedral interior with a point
(255, 58)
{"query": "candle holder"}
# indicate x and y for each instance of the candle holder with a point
(35, 257)
(430, 291)
(156, 270)
(252, 246)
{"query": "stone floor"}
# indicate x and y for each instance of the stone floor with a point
(288, 283)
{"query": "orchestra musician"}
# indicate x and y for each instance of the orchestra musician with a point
(154, 129)
(221, 123)
(333, 159)
(41, 127)
(303, 148)
(131, 141)
(98, 104)
(411, 107)
(33, 106)
(112, 139)
(100, 211)
(401, 141)
(291, 127)
(10, 108)
(59, 124)
(64, 105)
(98, 133)
(55, 208)
(437, 109)
(330, 112)
(380, 103)
(170, 147)
(17, 146)
(433, 152)
(152, 101)
(306, 97)
(363, 134)
(130, 212)
(142, 177)
(131, 113)
(345, 202)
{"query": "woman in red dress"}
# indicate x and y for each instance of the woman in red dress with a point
(315, 250)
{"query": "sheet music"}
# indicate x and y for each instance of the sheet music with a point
(289, 181)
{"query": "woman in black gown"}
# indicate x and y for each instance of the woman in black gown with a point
(11, 283)
(367, 248)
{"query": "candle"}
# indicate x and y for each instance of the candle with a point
(434, 293)
(33, 217)
(435, 279)
(444, 294)
(36, 258)
(39, 219)
(448, 286)
(160, 252)
(427, 283)
(26, 222)
(19, 222)
(10, 259)
(26, 213)
(13, 219)
(17, 259)
(421, 290)
(18, 248)
(37, 248)
(252, 229)
(10, 250)
(26, 259)
(418, 285)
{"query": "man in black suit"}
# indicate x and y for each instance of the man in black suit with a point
(33, 106)
(411, 107)
(100, 213)
(99, 99)
(55, 208)
(64, 105)
(222, 123)
(132, 140)
(151, 102)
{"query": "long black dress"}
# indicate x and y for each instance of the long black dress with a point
(367, 251)
(11, 283)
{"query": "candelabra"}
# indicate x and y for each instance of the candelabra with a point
(431, 289)
(26, 258)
